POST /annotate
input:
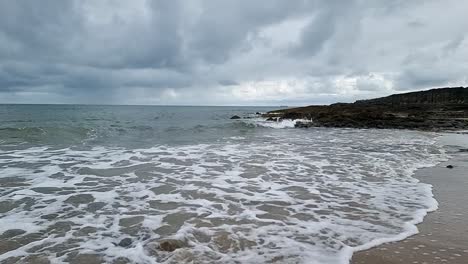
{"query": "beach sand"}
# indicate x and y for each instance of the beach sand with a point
(443, 236)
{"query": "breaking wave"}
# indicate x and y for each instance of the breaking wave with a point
(283, 123)
(312, 196)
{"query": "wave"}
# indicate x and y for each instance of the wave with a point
(131, 134)
(45, 135)
(263, 122)
(306, 198)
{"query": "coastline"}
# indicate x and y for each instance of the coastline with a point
(443, 235)
(437, 110)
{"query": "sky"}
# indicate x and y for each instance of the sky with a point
(228, 52)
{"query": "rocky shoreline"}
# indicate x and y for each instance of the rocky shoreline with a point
(438, 109)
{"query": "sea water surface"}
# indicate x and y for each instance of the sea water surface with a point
(92, 184)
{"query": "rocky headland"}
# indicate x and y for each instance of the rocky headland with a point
(432, 110)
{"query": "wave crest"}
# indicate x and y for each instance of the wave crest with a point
(284, 123)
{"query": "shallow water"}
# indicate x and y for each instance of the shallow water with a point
(230, 191)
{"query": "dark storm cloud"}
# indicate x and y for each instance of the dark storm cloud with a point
(227, 52)
(224, 26)
(37, 30)
(419, 79)
(322, 27)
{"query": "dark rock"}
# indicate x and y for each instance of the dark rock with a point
(272, 119)
(433, 110)
(171, 244)
(258, 113)
(293, 115)
(235, 117)
(126, 242)
(449, 167)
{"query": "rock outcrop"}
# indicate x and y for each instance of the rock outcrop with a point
(171, 244)
(433, 110)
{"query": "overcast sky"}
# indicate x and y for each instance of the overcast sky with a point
(237, 52)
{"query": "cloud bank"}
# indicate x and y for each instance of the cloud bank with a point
(220, 52)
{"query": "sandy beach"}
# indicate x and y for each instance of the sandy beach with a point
(443, 236)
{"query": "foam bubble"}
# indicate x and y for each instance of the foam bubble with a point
(284, 123)
(312, 196)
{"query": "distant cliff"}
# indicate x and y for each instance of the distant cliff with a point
(439, 96)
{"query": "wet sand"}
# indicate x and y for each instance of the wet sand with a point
(443, 236)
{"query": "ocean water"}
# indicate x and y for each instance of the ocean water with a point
(108, 183)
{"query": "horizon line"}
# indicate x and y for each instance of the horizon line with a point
(175, 105)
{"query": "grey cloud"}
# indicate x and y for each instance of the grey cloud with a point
(410, 80)
(224, 26)
(37, 30)
(127, 43)
(316, 34)
(90, 51)
(415, 24)
(454, 44)
(228, 82)
(322, 27)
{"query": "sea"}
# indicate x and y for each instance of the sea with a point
(111, 184)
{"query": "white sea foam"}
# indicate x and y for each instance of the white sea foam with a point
(284, 123)
(312, 196)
